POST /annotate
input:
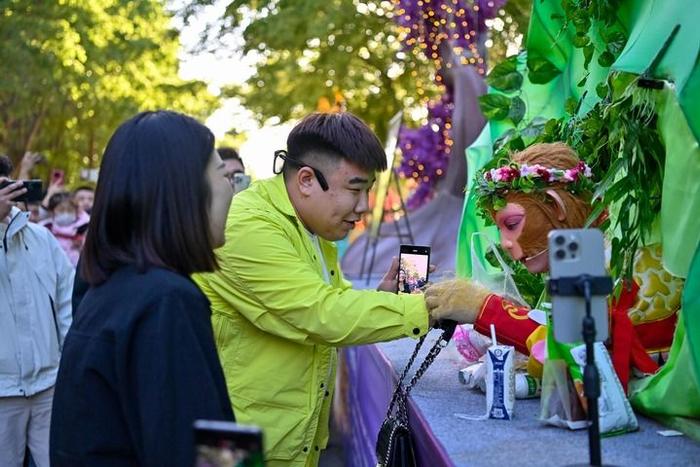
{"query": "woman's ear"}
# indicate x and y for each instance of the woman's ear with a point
(559, 203)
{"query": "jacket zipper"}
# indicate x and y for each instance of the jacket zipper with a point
(7, 231)
(55, 323)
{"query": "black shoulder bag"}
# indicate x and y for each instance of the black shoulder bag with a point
(394, 442)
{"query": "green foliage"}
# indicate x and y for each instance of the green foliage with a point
(541, 70)
(618, 137)
(495, 106)
(309, 50)
(71, 71)
(505, 76)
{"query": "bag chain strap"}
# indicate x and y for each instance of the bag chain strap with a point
(400, 395)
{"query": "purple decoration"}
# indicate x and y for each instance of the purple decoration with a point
(425, 150)
(426, 24)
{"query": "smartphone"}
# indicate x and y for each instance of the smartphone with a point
(227, 444)
(413, 268)
(57, 176)
(34, 193)
(241, 181)
(572, 253)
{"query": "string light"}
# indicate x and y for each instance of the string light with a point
(424, 24)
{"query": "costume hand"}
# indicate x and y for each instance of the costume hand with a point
(7, 195)
(456, 299)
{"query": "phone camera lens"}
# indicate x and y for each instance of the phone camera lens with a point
(560, 254)
(573, 246)
(559, 240)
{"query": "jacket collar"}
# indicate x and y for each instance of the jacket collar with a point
(277, 191)
(18, 220)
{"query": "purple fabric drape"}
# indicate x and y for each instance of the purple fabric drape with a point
(370, 382)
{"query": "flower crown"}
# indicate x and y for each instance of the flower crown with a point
(493, 184)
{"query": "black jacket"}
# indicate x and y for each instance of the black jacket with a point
(139, 365)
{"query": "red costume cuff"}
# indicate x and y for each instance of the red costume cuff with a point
(513, 326)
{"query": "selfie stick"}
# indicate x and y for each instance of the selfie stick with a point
(587, 286)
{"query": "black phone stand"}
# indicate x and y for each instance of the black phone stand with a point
(586, 286)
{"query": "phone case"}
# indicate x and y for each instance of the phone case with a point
(572, 253)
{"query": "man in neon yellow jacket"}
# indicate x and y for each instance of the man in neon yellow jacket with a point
(280, 305)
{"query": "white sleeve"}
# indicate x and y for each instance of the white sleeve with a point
(65, 273)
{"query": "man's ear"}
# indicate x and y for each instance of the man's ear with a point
(305, 179)
(559, 203)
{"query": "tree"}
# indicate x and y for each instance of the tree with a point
(71, 71)
(310, 50)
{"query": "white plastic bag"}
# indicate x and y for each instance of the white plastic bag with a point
(498, 281)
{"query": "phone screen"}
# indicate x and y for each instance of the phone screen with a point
(413, 268)
(226, 444)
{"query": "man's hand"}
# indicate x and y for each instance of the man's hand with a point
(29, 161)
(389, 282)
(7, 195)
(54, 187)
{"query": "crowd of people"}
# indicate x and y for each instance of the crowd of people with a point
(42, 242)
(189, 303)
(139, 358)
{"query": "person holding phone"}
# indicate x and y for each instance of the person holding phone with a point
(281, 307)
(139, 364)
(36, 280)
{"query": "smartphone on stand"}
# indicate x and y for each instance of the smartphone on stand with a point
(414, 261)
(573, 253)
(227, 444)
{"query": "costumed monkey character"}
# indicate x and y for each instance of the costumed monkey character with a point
(548, 187)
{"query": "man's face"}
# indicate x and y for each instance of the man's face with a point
(511, 222)
(332, 214)
(84, 199)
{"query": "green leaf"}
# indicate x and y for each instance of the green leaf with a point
(517, 110)
(582, 83)
(551, 127)
(494, 106)
(581, 40)
(602, 90)
(505, 76)
(516, 144)
(541, 70)
(534, 128)
(588, 55)
(616, 41)
(503, 139)
(606, 59)
(570, 105)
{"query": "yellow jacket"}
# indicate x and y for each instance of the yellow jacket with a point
(277, 323)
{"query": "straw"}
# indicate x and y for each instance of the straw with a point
(493, 335)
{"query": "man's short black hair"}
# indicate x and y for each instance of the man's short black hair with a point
(337, 136)
(152, 199)
(6, 166)
(227, 153)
